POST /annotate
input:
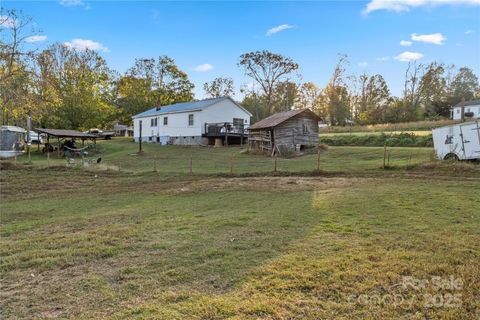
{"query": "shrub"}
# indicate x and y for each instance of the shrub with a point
(379, 140)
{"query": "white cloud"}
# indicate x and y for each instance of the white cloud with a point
(71, 3)
(435, 38)
(33, 39)
(7, 22)
(405, 43)
(409, 56)
(203, 67)
(407, 5)
(469, 32)
(277, 29)
(363, 64)
(383, 58)
(83, 44)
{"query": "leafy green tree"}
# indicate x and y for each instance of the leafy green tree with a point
(163, 80)
(309, 96)
(464, 85)
(76, 88)
(372, 100)
(284, 96)
(433, 91)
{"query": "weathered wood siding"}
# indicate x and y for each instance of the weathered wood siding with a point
(301, 129)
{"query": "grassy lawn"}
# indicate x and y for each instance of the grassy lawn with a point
(121, 241)
(118, 245)
(121, 154)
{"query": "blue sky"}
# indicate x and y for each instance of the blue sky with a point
(206, 38)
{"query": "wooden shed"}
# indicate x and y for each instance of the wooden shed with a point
(285, 132)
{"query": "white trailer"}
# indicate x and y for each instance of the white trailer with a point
(458, 141)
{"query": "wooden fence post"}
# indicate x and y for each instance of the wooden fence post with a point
(275, 164)
(318, 160)
(231, 165)
(155, 164)
(384, 155)
(48, 155)
(191, 165)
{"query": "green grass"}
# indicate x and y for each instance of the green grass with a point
(121, 154)
(79, 244)
(121, 241)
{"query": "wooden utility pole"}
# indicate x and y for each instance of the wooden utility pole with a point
(140, 138)
(463, 110)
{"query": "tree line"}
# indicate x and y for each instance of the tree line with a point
(64, 87)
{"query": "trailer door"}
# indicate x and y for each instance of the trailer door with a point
(470, 134)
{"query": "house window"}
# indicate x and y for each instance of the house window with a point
(153, 122)
(458, 111)
(190, 119)
(165, 121)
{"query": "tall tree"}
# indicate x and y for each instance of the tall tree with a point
(166, 83)
(76, 86)
(309, 96)
(219, 87)
(433, 89)
(335, 96)
(15, 60)
(267, 69)
(464, 85)
(375, 100)
(284, 96)
(411, 92)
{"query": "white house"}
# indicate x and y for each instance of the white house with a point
(472, 110)
(193, 123)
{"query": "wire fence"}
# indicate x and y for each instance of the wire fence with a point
(184, 160)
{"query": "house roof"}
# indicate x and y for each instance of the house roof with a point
(65, 133)
(468, 103)
(186, 106)
(277, 118)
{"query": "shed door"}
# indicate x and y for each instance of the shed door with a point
(471, 140)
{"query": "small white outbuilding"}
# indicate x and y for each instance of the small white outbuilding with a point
(193, 123)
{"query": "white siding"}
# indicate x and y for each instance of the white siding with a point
(457, 111)
(178, 126)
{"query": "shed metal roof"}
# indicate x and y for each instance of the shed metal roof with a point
(184, 107)
(277, 118)
(65, 133)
